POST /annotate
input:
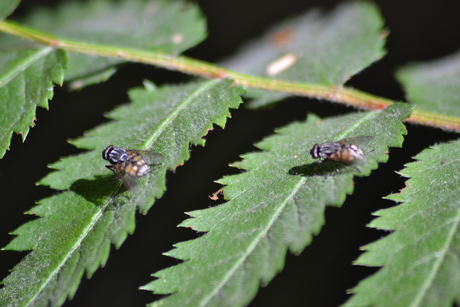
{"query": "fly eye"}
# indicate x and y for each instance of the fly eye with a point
(114, 154)
(314, 151)
(107, 152)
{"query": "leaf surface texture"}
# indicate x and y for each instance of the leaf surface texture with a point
(420, 259)
(27, 78)
(134, 24)
(76, 227)
(433, 86)
(326, 49)
(276, 205)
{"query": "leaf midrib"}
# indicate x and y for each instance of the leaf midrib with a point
(439, 261)
(272, 221)
(254, 243)
(96, 217)
(180, 107)
(25, 63)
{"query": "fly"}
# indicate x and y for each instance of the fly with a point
(129, 164)
(345, 151)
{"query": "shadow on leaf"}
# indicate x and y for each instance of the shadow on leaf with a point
(326, 168)
(95, 190)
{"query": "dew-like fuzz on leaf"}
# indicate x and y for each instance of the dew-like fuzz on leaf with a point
(276, 205)
(434, 86)
(75, 229)
(27, 78)
(420, 259)
(137, 24)
(315, 47)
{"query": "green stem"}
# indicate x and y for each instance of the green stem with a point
(184, 64)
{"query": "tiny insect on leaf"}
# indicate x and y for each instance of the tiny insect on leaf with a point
(129, 164)
(345, 151)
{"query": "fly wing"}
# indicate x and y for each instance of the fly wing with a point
(357, 140)
(130, 182)
(150, 157)
(144, 188)
(153, 158)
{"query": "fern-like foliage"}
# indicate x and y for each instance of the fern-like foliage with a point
(27, 78)
(433, 86)
(76, 228)
(135, 24)
(315, 48)
(421, 258)
(29, 71)
(278, 204)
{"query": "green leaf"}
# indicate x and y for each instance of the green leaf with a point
(434, 86)
(277, 204)
(27, 78)
(326, 49)
(135, 24)
(421, 257)
(7, 7)
(76, 227)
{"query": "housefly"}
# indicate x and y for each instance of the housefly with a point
(130, 164)
(345, 151)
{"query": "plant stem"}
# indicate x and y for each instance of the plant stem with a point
(204, 69)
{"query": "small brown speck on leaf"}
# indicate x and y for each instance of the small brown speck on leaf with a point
(282, 37)
(215, 195)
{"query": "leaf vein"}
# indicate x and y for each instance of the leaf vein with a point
(254, 244)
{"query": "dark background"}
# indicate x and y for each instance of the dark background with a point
(320, 276)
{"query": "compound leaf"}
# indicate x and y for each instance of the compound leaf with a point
(277, 204)
(138, 24)
(75, 228)
(29, 71)
(420, 259)
(326, 49)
